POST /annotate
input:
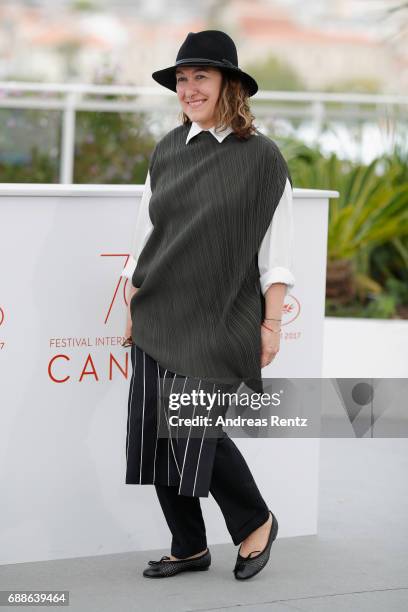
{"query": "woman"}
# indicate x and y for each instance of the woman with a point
(206, 300)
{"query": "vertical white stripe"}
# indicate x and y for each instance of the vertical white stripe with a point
(178, 411)
(188, 440)
(168, 414)
(131, 398)
(201, 446)
(168, 441)
(141, 441)
(169, 430)
(158, 410)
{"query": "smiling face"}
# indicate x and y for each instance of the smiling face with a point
(198, 90)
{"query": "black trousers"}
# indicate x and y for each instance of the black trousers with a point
(235, 491)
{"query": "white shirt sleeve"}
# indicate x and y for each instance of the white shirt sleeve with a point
(142, 231)
(275, 255)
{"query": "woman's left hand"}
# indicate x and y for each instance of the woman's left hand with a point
(270, 343)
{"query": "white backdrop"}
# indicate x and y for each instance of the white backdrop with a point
(64, 378)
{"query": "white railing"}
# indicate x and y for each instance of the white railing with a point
(70, 98)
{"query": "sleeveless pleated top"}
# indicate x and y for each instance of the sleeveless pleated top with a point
(199, 307)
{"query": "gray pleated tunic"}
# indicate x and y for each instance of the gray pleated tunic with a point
(199, 307)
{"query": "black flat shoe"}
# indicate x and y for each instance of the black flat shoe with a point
(164, 569)
(246, 567)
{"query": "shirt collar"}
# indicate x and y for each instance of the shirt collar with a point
(196, 129)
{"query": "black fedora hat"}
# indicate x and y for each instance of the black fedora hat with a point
(206, 48)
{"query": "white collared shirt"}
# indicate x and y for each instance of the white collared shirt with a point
(275, 255)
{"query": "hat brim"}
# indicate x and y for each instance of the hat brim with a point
(167, 76)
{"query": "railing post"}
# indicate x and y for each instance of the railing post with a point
(318, 114)
(68, 139)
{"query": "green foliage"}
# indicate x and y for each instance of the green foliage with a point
(41, 169)
(29, 145)
(378, 307)
(357, 85)
(274, 74)
(372, 208)
(83, 5)
(398, 289)
(112, 148)
(381, 307)
(389, 261)
(368, 223)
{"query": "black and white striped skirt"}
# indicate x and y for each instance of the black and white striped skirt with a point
(162, 453)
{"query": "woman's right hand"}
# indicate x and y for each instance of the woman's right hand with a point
(128, 327)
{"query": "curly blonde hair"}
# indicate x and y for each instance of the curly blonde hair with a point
(232, 108)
